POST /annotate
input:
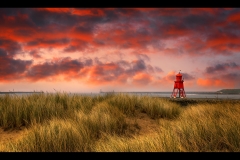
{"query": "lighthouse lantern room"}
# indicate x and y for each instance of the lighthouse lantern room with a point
(178, 89)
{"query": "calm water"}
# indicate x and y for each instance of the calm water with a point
(154, 94)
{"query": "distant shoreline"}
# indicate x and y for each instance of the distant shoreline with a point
(229, 91)
(151, 93)
(18, 92)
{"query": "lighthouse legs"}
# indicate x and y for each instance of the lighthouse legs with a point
(174, 93)
(180, 92)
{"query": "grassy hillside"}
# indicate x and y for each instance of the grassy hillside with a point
(116, 123)
(230, 91)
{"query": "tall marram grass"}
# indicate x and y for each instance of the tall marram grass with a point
(17, 111)
(72, 123)
(154, 107)
(200, 128)
(210, 127)
(73, 134)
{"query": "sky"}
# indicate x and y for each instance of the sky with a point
(119, 49)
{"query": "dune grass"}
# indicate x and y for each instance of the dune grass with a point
(75, 123)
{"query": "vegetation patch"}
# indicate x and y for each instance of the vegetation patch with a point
(62, 122)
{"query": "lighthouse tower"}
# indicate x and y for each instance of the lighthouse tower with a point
(178, 89)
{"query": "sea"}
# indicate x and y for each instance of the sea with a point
(211, 95)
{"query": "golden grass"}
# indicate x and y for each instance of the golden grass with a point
(63, 123)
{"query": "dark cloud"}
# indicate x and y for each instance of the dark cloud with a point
(24, 32)
(11, 47)
(198, 31)
(3, 53)
(110, 16)
(170, 20)
(187, 76)
(124, 64)
(229, 77)
(88, 62)
(138, 66)
(157, 69)
(43, 18)
(12, 69)
(198, 21)
(35, 54)
(48, 69)
(221, 67)
(139, 27)
(99, 42)
(49, 41)
(119, 71)
(85, 28)
(15, 19)
(143, 32)
(14, 11)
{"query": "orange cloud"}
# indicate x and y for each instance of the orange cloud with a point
(142, 79)
(170, 77)
(207, 82)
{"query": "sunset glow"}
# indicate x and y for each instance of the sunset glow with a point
(120, 49)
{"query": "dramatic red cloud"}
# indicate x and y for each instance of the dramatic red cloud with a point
(122, 39)
(57, 10)
(18, 21)
(224, 43)
(81, 35)
(234, 18)
(88, 12)
(31, 38)
(123, 35)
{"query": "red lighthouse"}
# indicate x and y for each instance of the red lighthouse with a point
(178, 87)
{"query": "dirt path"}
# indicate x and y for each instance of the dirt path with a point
(143, 124)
